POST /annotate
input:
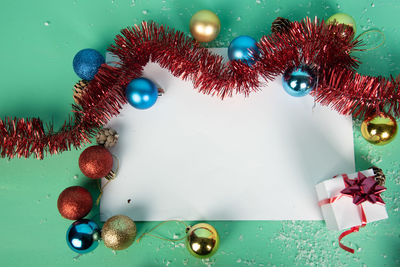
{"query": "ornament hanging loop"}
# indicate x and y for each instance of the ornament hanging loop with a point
(163, 238)
(110, 176)
(370, 31)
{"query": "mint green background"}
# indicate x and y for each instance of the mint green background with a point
(36, 80)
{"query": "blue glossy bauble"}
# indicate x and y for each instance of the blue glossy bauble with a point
(83, 236)
(299, 81)
(86, 63)
(243, 48)
(141, 93)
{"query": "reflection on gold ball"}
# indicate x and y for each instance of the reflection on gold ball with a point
(118, 232)
(202, 240)
(205, 26)
(379, 129)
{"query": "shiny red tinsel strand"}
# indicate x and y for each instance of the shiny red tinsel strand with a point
(326, 48)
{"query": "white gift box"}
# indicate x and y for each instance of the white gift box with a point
(343, 213)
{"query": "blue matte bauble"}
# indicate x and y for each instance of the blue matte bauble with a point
(299, 81)
(141, 93)
(243, 48)
(86, 63)
(83, 236)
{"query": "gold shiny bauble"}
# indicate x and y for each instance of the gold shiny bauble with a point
(202, 240)
(118, 232)
(379, 129)
(205, 26)
(342, 18)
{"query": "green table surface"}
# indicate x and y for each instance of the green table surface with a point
(38, 42)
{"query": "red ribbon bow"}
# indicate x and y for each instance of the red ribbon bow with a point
(361, 189)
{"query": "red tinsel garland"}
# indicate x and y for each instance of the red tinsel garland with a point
(327, 48)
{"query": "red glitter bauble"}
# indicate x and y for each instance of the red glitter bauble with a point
(95, 162)
(74, 203)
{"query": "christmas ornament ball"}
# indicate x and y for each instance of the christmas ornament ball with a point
(95, 162)
(83, 236)
(74, 202)
(202, 240)
(87, 62)
(299, 81)
(204, 26)
(118, 232)
(379, 129)
(243, 48)
(342, 18)
(141, 93)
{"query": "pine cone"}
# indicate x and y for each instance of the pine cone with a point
(107, 137)
(280, 25)
(379, 175)
(79, 87)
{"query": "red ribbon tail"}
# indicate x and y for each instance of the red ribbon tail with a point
(352, 230)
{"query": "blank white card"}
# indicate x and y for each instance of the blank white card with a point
(196, 157)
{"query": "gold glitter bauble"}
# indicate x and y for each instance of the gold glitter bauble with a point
(202, 240)
(379, 129)
(205, 26)
(118, 232)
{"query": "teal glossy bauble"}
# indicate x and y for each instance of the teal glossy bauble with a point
(299, 81)
(244, 49)
(141, 93)
(83, 236)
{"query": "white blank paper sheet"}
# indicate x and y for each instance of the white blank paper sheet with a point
(195, 157)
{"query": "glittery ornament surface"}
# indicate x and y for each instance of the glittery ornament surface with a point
(95, 162)
(87, 63)
(74, 202)
(118, 232)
